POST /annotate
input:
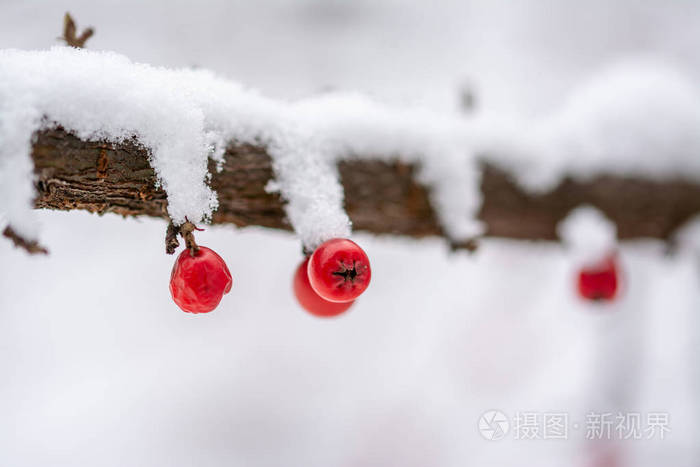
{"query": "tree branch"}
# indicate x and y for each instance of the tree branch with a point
(380, 197)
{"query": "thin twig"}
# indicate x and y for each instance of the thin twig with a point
(31, 246)
(187, 231)
(171, 241)
(70, 31)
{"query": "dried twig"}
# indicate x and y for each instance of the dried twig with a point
(171, 241)
(187, 231)
(31, 246)
(70, 31)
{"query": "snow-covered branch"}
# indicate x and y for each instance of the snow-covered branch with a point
(380, 196)
(96, 131)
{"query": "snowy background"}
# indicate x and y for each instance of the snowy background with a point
(113, 373)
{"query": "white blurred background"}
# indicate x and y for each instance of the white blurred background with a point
(101, 368)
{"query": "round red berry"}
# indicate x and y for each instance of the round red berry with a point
(309, 299)
(198, 282)
(339, 270)
(599, 281)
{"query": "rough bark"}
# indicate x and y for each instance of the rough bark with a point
(380, 197)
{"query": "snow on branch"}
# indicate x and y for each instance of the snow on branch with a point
(96, 131)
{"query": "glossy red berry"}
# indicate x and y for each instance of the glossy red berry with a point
(599, 281)
(309, 299)
(198, 282)
(339, 270)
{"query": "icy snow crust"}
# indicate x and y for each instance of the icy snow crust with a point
(632, 119)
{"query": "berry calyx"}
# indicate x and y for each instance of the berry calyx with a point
(199, 280)
(599, 281)
(339, 270)
(310, 300)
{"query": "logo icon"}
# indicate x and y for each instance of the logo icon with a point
(493, 425)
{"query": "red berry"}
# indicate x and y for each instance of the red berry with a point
(339, 270)
(198, 282)
(599, 281)
(309, 299)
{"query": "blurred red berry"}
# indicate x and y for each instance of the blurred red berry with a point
(339, 270)
(198, 282)
(309, 299)
(599, 281)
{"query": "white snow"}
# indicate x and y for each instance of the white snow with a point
(353, 125)
(631, 120)
(637, 117)
(587, 234)
(112, 378)
(186, 116)
(687, 237)
(182, 116)
(109, 377)
(16, 170)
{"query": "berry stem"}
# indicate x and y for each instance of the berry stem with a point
(187, 231)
